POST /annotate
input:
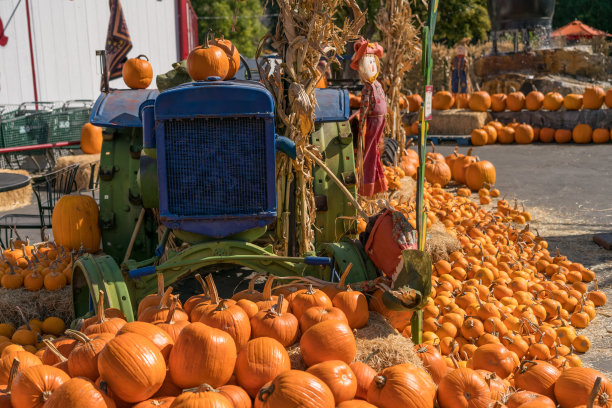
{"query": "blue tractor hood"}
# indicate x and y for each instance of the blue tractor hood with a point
(332, 105)
(120, 107)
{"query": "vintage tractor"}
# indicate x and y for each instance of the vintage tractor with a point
(200, 159)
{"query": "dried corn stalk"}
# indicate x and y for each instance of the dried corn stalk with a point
(305, 32)
(402, 47)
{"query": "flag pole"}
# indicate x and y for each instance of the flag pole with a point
(424, 116)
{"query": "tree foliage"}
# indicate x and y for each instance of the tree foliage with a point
(218, 16)
(596, 13)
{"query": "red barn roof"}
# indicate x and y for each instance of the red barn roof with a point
(577, 29)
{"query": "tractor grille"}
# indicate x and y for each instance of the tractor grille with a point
(216, 166)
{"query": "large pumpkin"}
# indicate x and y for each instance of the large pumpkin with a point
(553, 101)
(593, 97)
(537, 376)
(432, 361)
(572, 102)
(33, 386)
(574, 386)
(601, 136)
(463, 387)
(479, 137)
(460, 165)
(523, 134)
(506, 136)
(75, 222)
(582, 134)
(437, 172)
(137, 72)
(79, 393)
(156, 335)
(133, 366)
(207, 61)
(203, 396)
(563, 135)
(495, 358)
(402, 385)
(91, 139)
(295, 389)
(202, 354)
(480, 101)
(443, 100)
(233, 56)
(259, 362)
(516, 101)
(498, 102)
(354, 304)
(534, 100)
(479, 175)
(328, 340)
(338, 376)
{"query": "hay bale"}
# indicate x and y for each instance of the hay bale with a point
(377, 339)
(82, 176)
(40, 304)
(439, 243)
(10, 200)
(406, 192)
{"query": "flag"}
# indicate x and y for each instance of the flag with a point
(118, 42)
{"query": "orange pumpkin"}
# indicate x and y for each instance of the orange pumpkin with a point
(354, 305)
(463, 387)
(479, 174)
(575, 384)
(91, 139)
(534, 100)
(260, 361)
(283, 327)
(202, 396)
(528, 399)
(480, 101)
(295, 389)
(523, 134)
(608, 98)
(402, 385)
(233, 56)
(479, 137)
(491, 133)
(553, 101)
(582, 134)
(137, 72)
(547, 135)
(207, 61)
(236, 395)
(328, 340)
(507, 135)
(516, 101)
(601, 136)
(79, 392)
(593, 97)
(437, 172)
(462, 100)
(563, 136)
(364, 375)
(443, 100)
(432, 361)
(33, 386)
(307, 298)
(572, 102)
(498, 102)
(339, 378)
(414, 102)
(537, 376)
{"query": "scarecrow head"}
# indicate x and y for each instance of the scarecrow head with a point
(366, 60)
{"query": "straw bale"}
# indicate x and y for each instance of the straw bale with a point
(377, 339)
(10, 200)
(439, 243)
(82, 176)
(40, 304)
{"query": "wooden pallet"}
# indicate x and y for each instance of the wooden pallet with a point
(446, 140)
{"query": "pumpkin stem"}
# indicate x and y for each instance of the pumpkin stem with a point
(267, 290)
(173, 306)
(12, 374)
(163, 303)
(160, 284)
(206, 38)
(142, 56)
(202, 283)
(522, 367)
(594, 392)
(265, 392)
(54, 350)
(101, 317)
(345, 275)
(78, 336)
(279, 305)
(380, 381)
(214, 295)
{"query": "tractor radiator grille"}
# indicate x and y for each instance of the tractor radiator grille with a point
(215, 166)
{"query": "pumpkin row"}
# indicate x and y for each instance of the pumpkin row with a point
(522, 133)
(593, 98)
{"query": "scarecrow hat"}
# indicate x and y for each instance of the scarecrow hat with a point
(363, 47)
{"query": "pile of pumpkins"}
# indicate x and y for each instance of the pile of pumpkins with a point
(523, 133)
(232, 353)
(45, 265)
(593, 98)
(30, 335)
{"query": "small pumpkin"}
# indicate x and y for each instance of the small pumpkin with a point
(507, 135)
(552, 101)
(563, 135)
(534, 100)
(259, 362)
(491, 133)
(593, 97)
(295, 389)
(516, 101)
(537, 376)
(78, 393)
(233, 56)
(207, 61)
(582, 134)
(339, 378)
(528, 399)
(479, 174)
(432, 361)
(83, 359)
(462, 100)
(91, 139)
(328, 340)
(547, 135)
(319, 314)
(480, 101)
(479, 137)
(283, 327)
(572, 102)
(443, 100)
(463, 387)
(414, 102)
(498, 102)
(137, 72)
(238, 396)
(354, 305)
(601, 136)
(308, 298)
(364, 375)
(523, 134)
(202, 396)
(402, 385)
(104, 324)
(437, 172)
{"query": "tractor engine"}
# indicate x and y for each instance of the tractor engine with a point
(216, 159)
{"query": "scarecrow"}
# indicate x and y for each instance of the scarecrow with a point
(459, 69)
(372, 116)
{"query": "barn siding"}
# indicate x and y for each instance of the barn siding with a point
(66, 34)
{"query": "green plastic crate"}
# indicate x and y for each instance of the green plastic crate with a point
(28, 125)
(67, 121)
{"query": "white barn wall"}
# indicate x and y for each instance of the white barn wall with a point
(66, 34)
